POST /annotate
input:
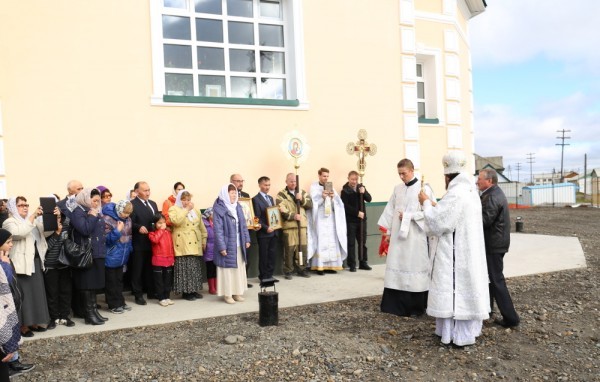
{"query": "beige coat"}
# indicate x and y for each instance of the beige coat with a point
(23, 251)
(189, 237)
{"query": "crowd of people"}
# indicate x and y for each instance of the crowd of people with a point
(440, 254)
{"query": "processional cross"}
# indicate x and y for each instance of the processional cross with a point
(361, 149)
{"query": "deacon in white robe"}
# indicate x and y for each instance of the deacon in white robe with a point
(458, 293)
(327, 242)
(408, 267)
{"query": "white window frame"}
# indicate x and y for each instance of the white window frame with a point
(293, 50)
(429, 60)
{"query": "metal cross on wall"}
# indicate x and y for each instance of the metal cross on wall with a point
(361, 149)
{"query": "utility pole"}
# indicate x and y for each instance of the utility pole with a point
(518, 167)
(531, 161)
(562, 152)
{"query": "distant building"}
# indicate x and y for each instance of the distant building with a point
(495, 163)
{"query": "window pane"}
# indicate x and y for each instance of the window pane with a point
(212, 86)
(175, 3)
(179, 84)
(270, 35)
(241, 33)
(241, 8)
(273, 88)
(209, 30)
(211, 58)
(421, 109)
(242, 60)
(176, 27)
(209, 6)
(178, 56)
(242, 87)
(270, 8)
(419, 70)
(272, 62)
(421, 90)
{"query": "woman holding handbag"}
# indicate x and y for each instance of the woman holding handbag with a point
(87, 224)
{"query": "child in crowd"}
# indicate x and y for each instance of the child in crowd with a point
(118, 248)
(163, 259)
(211, 269)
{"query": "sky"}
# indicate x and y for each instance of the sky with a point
(536, 70)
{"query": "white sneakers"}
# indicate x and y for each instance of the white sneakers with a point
(163, 303)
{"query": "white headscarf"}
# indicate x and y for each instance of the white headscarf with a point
(84, 199)
(191, 215)
(11, 205)
(224, 196)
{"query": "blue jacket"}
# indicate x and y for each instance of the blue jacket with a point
(118, 244)
(89, 226)
(225, 235)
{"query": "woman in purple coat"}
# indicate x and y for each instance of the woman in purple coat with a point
(209, 253)
(231, 242)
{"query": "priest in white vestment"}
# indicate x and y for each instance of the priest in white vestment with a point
(407, 266)
(458, 293)
(327, 241)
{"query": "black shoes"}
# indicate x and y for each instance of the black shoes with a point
(331, 271)
(303, 274)
(68, 322)
(505, 324)
(352, 269)
(288, 276)
(197, 295)
(321, 273)
(364, 266)
(52, 324)
(16, 368)
(188, 296)
(250, 285)
(140, 300)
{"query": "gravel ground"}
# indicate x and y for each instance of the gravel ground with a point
(558, 340)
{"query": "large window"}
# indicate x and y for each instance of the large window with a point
(227, 48)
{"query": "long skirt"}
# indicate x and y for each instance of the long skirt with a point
(34, 308)
(459, 332)
(232, 281)
(91, 278)
(188, 274)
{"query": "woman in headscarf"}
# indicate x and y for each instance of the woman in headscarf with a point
(189, 240)
(170, 202)
(231, 242)
(9, 320)
(27, 256)
(209, 253)
(87, 222)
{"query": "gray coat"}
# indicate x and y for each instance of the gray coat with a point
(225, 235)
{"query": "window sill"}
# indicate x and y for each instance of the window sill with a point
(429, 121)
(230, 101)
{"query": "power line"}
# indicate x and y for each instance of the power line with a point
(531, 161)
(562, 152)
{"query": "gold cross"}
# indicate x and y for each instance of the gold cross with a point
(361, 149)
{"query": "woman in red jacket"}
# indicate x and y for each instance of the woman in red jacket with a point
(163, 259)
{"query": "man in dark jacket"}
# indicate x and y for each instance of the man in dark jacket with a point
(355, 213)
(496, 231)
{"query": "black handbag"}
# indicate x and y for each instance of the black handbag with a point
(76, 255)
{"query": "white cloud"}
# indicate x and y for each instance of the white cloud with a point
(501, 131)
(514, 31)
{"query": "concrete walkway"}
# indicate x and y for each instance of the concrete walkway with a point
(529, 254)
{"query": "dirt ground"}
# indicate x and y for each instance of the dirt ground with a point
(558, 339)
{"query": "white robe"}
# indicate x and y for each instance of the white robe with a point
(407, 264)
(459, 282)
(327, 239)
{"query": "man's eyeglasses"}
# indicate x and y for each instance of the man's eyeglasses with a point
(22, 205)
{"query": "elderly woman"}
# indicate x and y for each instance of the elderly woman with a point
(231, 242)
(118, 244)
(189, 240)
(27, 256)
(87, 222)
(209, 253)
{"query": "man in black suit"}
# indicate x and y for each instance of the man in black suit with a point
(266, 236)
(238, 182)
(140, 263)
(496, 232)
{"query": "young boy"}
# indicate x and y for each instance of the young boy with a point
(163, 259)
